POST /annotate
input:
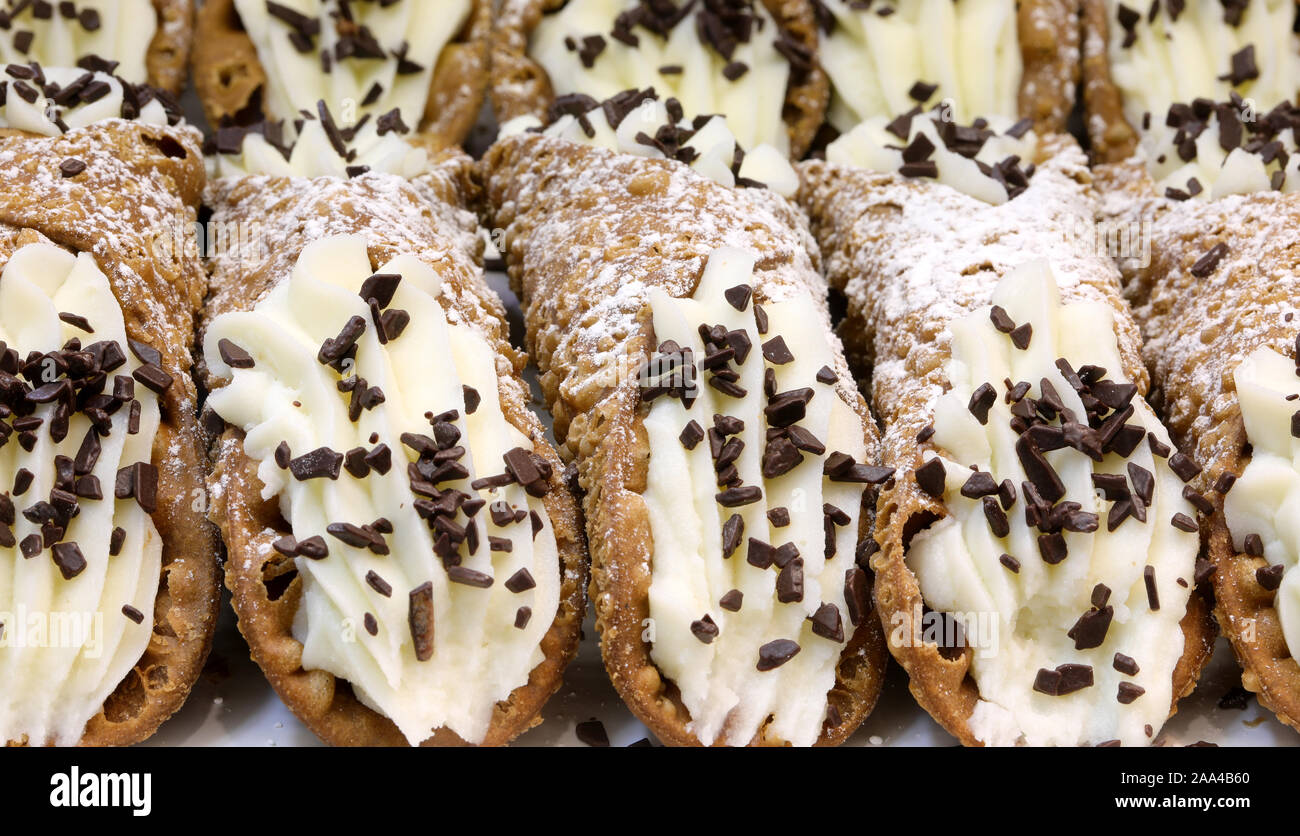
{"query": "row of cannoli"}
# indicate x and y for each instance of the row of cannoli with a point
(1013, 473)
(1059, 425)
(320, 387)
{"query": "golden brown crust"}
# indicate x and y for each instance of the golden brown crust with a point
(941, 681)
(136, 198)
(229, 76)
(1048, 31)
(1248, 617)
(168, 59)
(425, 219)
(521, 87)
(658, 220)
(1198, 329)
(860, 219)
(1113, 138)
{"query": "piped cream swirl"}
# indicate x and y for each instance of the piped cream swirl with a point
(115, 30)
(409, 35)
(313, 155)
(723, 683)
(483, 647)
(1265, 499)
(711, 150)
(1206, 151)
(67, 642)
(876, 51)
(679, 65)
(1170, 57)
(876, 144)
(34, 104)
(1027, 612)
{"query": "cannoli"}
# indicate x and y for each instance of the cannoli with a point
(975, 58)
(421, 63)
(108, 569)
(406, 558)
(1035, 554)
(727, 458)
(751, 61)
(1209, 188)
(142, 41)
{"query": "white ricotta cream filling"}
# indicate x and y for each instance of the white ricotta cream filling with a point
(1265, 499)
(483, 645)
(1170, 60)
(1211, 171)
(68, 641)
(1034, 608)
(876, 52)
(722, 683)
(382, 58)
(679, 66)
(44, 115)
(116, 30)
(714, 145)
(313, 155)
(873, 146)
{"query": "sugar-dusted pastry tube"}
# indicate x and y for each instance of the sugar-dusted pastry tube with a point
(980, 58)
(108, 569)
(728, 460)
(406, 558)
(424, 60)
(751, 61)
(1193, 109)
(142, 41)
(1217, 303)
(1035, 569)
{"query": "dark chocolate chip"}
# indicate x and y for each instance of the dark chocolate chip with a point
(776, 653)
(704, 629)
(1125, 664)
(1128, 692)
(234, 356)
(1149, 579)
(931, 477)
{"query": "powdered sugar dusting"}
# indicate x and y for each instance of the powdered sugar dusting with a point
(1199, 327)
(913, 256)
(267, 221)
(643, 223)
